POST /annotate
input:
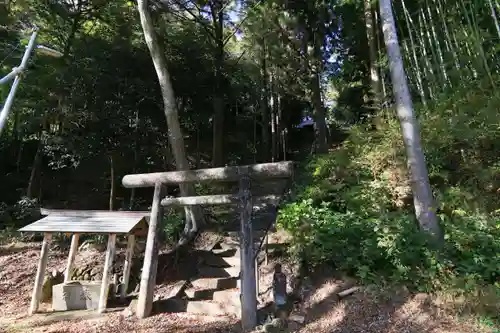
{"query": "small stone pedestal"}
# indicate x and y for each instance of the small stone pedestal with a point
(76, 295)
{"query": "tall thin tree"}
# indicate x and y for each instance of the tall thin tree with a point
(372, 48)
(194, 216)
(422, 194)
(420, 84)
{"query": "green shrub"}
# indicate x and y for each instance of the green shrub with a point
(352, 208)
(172, 225)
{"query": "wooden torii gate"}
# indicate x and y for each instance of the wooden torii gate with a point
(242, 174)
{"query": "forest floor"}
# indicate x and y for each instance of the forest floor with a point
(367, 311)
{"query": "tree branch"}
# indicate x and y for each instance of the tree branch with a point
(235, 30)
(163, 4)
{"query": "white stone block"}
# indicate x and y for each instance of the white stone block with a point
(76, 295)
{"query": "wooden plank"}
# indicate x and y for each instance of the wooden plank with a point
(223, 199)
(248, 275)
(93, 213)
(106, 275)
(71, 257)
(148, 277)
(127, 265)
(255, 171)
(40, 273)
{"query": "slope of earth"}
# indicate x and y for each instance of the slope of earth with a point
(362, 312)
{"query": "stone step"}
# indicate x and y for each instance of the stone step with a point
(230, 243)
(234, 235)
(226, 252)
(205, 294)
(215, 260)
(214, 283)
(218, 272)
(211, 308)
(228, 296)
(236, 246)
(234, 226)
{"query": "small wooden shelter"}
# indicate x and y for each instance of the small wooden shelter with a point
(132, 223)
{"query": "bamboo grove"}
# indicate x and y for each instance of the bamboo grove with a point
(446, 43)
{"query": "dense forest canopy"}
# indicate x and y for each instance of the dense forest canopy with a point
(244, 74)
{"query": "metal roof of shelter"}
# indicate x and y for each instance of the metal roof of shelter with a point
(92, 222)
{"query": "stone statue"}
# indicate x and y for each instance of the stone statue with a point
(279, 291)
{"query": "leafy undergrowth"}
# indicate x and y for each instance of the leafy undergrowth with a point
(352, 208)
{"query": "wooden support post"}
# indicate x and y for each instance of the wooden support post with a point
(71, 257)
(106, 275)
(148, 277)
(266, 255)
(248, 283)
(114, 284)
(127, 266)
(257, 277)
(40, 273)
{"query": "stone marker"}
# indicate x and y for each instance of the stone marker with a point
(279, 289)
(76, 295)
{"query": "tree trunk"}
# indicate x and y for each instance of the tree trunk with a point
(134, 165)
(450, 47)
(439, 52)
(198, 144)
(429, 74)
(111, 182)
(264, 106)
(255, 139)
(273, 118)
(218, 131)
(194, 215)
(35, 168)
(379, 55)
(283, 143)
(472, 22)
(281, 129)
(19, 156)
(428, 39)
(316, 67)
(218, 100)
(372, 48)
(494, 17)
(319, 115)
(414, 56)
(422, 195)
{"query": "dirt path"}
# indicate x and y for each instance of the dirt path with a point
(362, 312)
